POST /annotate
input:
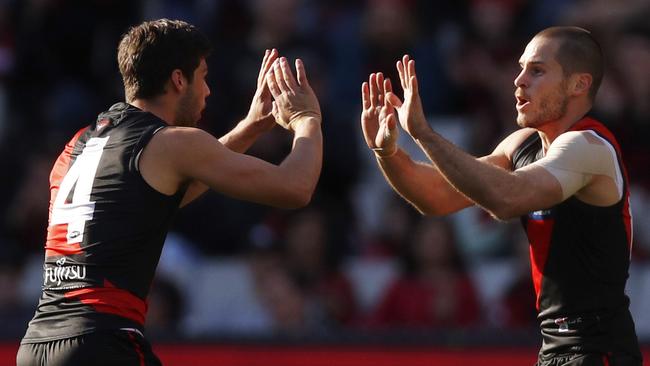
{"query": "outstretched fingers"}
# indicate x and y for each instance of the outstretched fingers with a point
(380, 88)
(365, 95)
(273, 84)
(372, 83)
(413, 81)
(388, 89)
(302, 74)
(390, 97)
(287, 75)
(269, 57)
(279, 77)
(401, 73)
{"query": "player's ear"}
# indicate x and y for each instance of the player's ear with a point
(580, 83)
(177, 80)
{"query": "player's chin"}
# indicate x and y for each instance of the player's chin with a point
(526, 120)
(522, 121)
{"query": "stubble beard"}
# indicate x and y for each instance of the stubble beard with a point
(186, 113)
(551, 108)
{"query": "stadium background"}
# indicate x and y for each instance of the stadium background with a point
(356, 278)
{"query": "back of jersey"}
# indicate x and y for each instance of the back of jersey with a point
(106, 230)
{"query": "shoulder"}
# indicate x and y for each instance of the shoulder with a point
(176, 139)
(583, 151)
(577, 142)
(514, 140)
(174, 154)
(581, 137)
(507, 148)
(178, 145)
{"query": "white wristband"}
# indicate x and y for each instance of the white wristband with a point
(379, 150)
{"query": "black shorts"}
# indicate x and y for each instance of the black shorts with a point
(119, 347)
(589, 359)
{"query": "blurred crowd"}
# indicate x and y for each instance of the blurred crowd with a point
(358, 258)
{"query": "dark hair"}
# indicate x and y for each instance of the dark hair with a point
(149, 52)
(578, 52)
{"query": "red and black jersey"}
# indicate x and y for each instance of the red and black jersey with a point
(106, 230)
(580, 256)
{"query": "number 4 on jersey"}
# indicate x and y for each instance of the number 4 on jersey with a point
(72, 206)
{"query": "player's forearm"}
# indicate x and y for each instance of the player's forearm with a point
(302, 166)
(489, 186)
(421, 185)
(240, 138)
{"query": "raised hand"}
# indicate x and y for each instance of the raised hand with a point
(261, 108)
(293, 99)
(411, 114)
(378, 120)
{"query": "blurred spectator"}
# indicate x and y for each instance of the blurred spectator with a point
(312, 264)
(165, 309)
(281, 296)
(434, 290)
(392, 235)
(14, 314)
(519, 298)
(26, 215)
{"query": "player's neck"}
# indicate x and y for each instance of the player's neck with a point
(160, 107)
(551, 130)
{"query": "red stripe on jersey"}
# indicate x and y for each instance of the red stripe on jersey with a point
(112, 300)
(627, 217)
(136, 346)
(591, 124)
(57, 241)
(539, 235)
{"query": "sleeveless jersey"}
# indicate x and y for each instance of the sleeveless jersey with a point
(580, 255)
(106, 230)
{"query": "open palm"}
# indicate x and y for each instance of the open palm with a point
(410, 112)
(378, 119)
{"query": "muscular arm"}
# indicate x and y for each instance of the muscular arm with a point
(177, 155)
(239, 139)
(488, 182)
(424, 187)
(257, 121)
(504, 194)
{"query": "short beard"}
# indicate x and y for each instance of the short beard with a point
(552, 108)
(184, 116)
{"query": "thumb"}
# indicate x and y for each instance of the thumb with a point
(391, 122)
(389, 131)
(393, 100)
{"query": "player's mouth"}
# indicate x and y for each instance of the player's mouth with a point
(522, 101)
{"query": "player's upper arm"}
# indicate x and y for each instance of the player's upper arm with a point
(195, 155)
(569, 167)
(576, 158)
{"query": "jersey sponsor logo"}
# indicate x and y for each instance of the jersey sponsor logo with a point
(564, 324)
(540, 215)
(55, 276)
